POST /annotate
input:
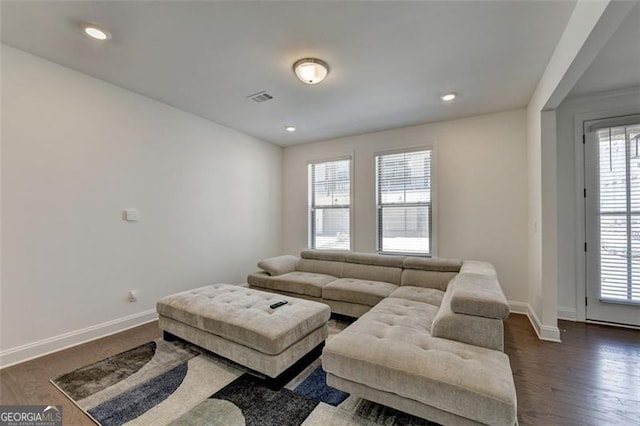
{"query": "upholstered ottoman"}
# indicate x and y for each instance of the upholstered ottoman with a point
(237, 323)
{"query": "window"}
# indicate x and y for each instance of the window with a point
(330, 205)
(403, 201)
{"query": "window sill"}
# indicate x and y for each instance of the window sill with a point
(397, 253)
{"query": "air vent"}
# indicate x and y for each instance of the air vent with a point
(260, 97)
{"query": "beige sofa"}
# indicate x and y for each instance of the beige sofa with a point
(429, 338)
(463, 298)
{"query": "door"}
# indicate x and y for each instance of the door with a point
(612, 208)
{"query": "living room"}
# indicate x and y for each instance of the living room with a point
(140, 166)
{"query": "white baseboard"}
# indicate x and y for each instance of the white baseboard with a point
(63, 341)
(566, 313)
(518, 307)
(544, 332)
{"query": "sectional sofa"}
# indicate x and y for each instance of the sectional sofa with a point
(429, 337)
(464, 298)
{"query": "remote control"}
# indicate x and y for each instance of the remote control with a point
(278, 304)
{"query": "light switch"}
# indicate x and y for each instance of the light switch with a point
(131, 215)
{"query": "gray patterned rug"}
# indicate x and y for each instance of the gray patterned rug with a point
(161, 383)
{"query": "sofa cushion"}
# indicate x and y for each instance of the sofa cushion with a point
(333, 255)
(375, 259)
(396, 318)
(372, 272)
(279, 265)
(479, 295)
(390, 348)
(243, 315)
(307, 283)
(427, 279)
(326, 267)
(431, 264)
(430, 296)
(353, 290)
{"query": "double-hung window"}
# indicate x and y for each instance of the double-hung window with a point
(330, 205)
(404, 202)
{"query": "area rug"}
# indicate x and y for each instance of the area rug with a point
(175, 383)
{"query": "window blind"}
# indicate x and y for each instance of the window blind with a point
(404, 205)
(330, 205)
(619, 198)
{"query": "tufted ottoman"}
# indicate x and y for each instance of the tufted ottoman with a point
(237, 323)
(389, 356)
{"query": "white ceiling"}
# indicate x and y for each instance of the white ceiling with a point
(617, 66)
(389, 61)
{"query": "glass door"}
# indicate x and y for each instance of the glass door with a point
(612, 206)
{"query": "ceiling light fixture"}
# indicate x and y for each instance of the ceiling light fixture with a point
(290, 129)
(311, 70)
(448, 97)
(95, 31)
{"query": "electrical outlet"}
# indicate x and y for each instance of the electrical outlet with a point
(133, 296)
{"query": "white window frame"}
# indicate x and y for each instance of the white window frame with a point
(433, 238)
(310, 215)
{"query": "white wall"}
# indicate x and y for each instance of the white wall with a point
(572, 112)
(481, 189)
(76, 152)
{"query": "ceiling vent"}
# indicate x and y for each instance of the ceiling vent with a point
(260, 97)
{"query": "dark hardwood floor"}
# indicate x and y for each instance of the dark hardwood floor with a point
(28, 383)
(592, 378)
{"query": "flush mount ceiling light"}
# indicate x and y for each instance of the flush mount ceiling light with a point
(311, 70)
(448, 97)
(95, 31)
(290, 129)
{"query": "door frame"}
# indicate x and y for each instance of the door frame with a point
(581, 232)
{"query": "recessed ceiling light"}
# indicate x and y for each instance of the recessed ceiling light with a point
(290, 129)
(95, 31)
(311, 70)
(448, 96)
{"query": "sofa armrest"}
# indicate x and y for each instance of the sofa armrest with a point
(471, 329)
(479, 295)
(478, 267)
(472, 310)
(279, 265)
